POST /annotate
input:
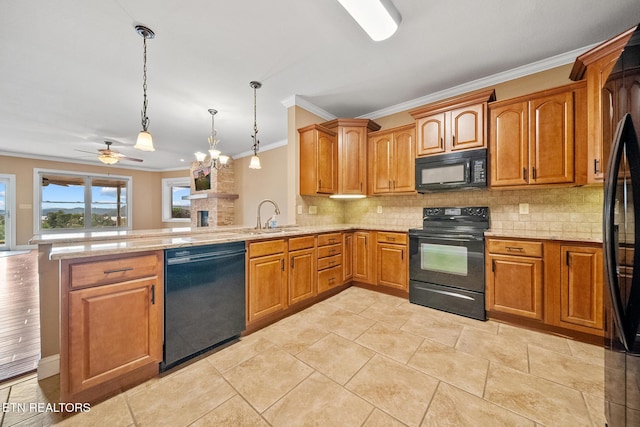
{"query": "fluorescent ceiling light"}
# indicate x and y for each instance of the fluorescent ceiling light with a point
(379, 18)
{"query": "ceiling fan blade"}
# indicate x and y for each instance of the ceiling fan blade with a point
(131, 159)
(83, 151)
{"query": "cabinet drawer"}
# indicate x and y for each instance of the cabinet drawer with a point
(332, 250)
(111, 271)
(329, 278)
(386, 237)
(515, 247)
(269, 247)
(329, 239)
(328, 262)
(304, 242)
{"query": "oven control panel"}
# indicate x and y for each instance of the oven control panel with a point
(455, 213)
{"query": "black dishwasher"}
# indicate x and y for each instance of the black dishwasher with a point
(204, 299)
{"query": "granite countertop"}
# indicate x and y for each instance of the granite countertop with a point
(80, 245)
(547, 235)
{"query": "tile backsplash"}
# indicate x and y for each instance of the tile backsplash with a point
(575, 211)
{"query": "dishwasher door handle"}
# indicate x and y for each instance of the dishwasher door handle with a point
(203, 257)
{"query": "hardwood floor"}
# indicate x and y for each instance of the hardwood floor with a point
(19, 314)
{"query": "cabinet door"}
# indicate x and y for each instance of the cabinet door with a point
(347, 257)
(404, 178)
(581, 286)
(508, 145)
(113, 330)
(362, 262)
(267, 286)
(327, 163)
(392, 265)
(468, 128)
(302, 275)
(431, 134)
(551, 142)
(514, 286)
(381, 171)
(353, 160)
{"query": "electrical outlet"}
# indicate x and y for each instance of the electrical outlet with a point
(313, 210)
(523, 208)
(379, 209)
(299, 209)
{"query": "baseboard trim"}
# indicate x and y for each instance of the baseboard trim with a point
(48, 366)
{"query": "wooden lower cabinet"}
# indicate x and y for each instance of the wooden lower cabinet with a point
(112, 324)
(347, 257)
(581, 287)
(555, 285)
(392, 260)
(514, 286)
(267, 279)
(364, 257)
(302, 269)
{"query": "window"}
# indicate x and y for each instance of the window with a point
(174, 207)
(69, 201)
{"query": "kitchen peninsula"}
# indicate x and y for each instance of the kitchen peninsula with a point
(110, 288)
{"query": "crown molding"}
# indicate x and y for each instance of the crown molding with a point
(266, 147)
(525, 70)
(303, 103)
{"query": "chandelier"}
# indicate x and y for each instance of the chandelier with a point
(216, 158)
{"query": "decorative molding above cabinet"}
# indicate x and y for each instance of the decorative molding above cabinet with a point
(453, 124)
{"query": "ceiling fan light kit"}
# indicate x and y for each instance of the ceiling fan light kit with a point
(145, 141)
(378, 18)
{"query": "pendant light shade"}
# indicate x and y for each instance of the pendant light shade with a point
(144, 141)
(255, 160)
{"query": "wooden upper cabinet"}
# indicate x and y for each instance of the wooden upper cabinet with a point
(509, 144)
(392, 161)
(318, 161)
(352, 153)
(595, 66)
(551, 141)
(453, 124)
(535, 139)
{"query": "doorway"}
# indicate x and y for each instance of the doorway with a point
(7, 209)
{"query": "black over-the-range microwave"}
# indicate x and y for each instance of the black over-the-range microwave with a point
(453, 171)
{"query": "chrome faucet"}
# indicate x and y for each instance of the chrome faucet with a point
(277, 212)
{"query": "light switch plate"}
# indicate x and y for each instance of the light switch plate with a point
(379, 209)
(524, 208)
(299, 209)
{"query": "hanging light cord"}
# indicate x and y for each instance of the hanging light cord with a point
(256, 142)
(212, 138)
(145, 119)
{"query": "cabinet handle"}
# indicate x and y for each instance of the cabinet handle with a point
(361, 187)
(493, 265)
(391, 239)
(282, 263)
(332, 279)
(596, 166)
(442, 142)
(515, 249)
(394, 184)
(453, 140)
(119, 270)
(524, 173)
(566, 259)
(332, 262)
(402, 255)
(293, 261)
(153, 294)
(389, 184)
(533, 172)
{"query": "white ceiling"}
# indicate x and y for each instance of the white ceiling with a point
(71, 70)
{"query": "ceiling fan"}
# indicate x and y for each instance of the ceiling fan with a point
(109, 156)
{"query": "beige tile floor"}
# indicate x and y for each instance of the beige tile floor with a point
(360, 358)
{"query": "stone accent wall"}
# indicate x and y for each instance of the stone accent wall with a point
(576, 210)
(219, 203)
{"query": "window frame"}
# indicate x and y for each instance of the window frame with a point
(37, 200)
(167, 199)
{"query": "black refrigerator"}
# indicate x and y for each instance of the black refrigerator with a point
(621, 234)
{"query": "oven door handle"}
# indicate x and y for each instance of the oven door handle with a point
(451, 237)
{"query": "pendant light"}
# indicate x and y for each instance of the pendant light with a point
(218, 160)
(144, 142)
(255, 160)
